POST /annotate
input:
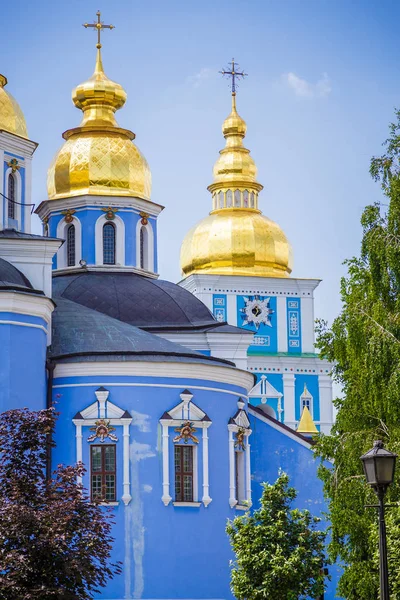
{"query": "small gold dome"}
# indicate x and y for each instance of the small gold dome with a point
(236, 239)
(236, 242)
(11, 116)
(99, 157)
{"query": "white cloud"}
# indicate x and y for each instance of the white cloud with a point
(199, 78)
(305, 89)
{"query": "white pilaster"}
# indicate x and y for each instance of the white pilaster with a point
(231, 312)
(206, 493)
(289, 399)
(325, 403)
(78, 436)
(126, 498)
(307, 324)
(232, 486)
(166, 498)
(248, 470)
(1, 188)
(282, 323)
(28, 195)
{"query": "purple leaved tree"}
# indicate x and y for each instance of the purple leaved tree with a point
(54, 543)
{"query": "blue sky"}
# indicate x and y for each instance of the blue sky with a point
(322, 87)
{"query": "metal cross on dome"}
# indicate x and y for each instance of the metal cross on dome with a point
(233, 74)
(99, 26)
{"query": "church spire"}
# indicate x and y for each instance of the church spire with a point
(235, 172)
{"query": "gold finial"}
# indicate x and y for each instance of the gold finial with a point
(99, 26)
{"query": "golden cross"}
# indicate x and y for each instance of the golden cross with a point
(99, 26)
(231, 72)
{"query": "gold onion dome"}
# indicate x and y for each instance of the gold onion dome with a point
(11, 116)
(98, 157)
(236, 238)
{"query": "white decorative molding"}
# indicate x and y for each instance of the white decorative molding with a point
(185, 411)
(18, 198)
(265, 391)
(289, 399)
(119, 226)
(103, 409)
(149, 253)
(239, 421)
(62, 259)
(303, 401)
(32, 305)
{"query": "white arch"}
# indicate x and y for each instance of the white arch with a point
(62, 259)
(18, 197)
(150, 245)
(119, 239)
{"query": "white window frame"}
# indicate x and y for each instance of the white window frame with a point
(239, 421)
(119, 240)
(62, 258)
(18, 198)
(306, 394)
(150, 246)
(186, 411)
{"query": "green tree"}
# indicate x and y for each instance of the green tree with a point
(279, 551)
(54, 543)
(364, 344)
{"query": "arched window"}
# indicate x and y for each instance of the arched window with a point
(109, 244)
(144, 248)
(71, 245)
(11, 196)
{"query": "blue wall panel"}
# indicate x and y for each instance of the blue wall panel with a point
(293, 312)
(258, 314)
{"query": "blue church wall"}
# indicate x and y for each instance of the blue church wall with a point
(311, 382)
(22, 362)
(273, 450)
(263, 324)
(146, 530)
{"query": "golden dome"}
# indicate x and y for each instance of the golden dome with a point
(11, 116)
(236, 239)
(98, 157)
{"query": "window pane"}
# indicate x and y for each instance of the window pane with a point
(11, 197)
(187, 459)
(109, 458)
(109, 244)
(178, 483)
(71, 246)
(110, 488)
(96, 487)
(188, 488)
(96, 459)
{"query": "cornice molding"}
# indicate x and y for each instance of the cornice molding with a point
(26, 304)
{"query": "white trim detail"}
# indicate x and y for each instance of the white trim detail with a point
(149, 254)
(34, 325)
(206, 486)
(102, 408)
(119, 239)
(62, 227)
(18, 198)
(166, 498)
(239, 421)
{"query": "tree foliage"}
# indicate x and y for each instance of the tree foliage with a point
(54, 543)
(364, 344)
(279, 551)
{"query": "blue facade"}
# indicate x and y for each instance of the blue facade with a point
(258, 314)
(293, 308)
(219, 307)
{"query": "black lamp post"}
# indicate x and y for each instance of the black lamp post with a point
(379, 465)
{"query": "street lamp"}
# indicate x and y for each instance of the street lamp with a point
(379, 465)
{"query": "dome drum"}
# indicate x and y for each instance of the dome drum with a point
(235, 198)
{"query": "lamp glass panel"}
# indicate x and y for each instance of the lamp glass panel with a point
(369, 469)
(384, 469)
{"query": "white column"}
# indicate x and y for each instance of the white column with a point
(248, 470)
(206, 493)
(79, 446)
(289, 399)
(231, 311)
(1, 188)
(126, 498)
(307, 324)
(232, 487)
(166, 498)
(325, 403)
(282, 323)
(28, 195)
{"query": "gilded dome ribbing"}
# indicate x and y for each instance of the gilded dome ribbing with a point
(236, 239)
(11, 116)
(99, 157)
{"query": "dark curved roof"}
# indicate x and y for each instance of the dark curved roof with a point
(12, 279)
(80, 331)
(134, 299)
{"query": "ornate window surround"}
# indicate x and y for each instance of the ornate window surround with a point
(119, 240)
(62, 259)
(239, 421)
(18, 198)
(177, 416)
(103, 409)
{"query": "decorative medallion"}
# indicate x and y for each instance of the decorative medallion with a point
(145, 218)
(13, 163)
(68, 218)
(102, 430)
(240, 435)
(110, 212)
(186, 431)
(256, 311)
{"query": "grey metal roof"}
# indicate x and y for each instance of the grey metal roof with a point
(13, 234)
(11, 275)
(81, 331)
(134, 299)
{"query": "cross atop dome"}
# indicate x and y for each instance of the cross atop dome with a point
(99, 26)
(233, 74)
